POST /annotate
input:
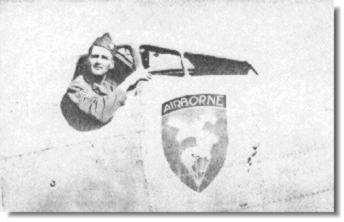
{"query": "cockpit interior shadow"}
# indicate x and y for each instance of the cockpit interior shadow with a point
(77, 119)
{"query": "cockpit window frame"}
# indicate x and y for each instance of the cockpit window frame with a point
(179, 72)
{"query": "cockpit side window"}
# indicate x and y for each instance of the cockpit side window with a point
(124, 64)
(126, 53)
(161, 61)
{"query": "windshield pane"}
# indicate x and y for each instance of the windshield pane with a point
(198, 64)
(161, 61)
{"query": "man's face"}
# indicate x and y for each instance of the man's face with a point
(101, 60)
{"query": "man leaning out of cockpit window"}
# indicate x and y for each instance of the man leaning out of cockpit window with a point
(93, 91)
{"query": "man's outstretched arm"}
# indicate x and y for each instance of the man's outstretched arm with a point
(102, 107)
(139, 74)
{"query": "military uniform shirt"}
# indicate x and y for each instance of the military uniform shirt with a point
(98, 100)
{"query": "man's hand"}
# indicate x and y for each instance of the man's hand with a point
(139, 74)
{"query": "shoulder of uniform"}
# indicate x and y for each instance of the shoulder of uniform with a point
(111, 82)
(80, 78)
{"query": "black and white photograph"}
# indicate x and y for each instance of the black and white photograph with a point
(160, 106)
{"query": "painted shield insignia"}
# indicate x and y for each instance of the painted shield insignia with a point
(194, 137)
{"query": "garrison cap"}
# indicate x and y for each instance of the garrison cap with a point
(106, 42)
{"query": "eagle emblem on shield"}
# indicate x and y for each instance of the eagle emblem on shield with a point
(194, 137)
